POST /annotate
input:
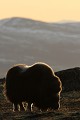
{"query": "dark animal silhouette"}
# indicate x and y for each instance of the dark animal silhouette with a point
(35, 84)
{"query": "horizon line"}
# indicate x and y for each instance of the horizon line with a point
(60, 21)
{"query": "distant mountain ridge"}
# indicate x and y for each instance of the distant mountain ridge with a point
(23, 22)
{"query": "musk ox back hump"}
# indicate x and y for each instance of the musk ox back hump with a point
(40, 69)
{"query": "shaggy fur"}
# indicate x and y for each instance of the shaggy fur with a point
(35, 84)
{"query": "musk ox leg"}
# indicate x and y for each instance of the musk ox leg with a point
(15, 107)
(29, 107)
(56, 102)
(21, 107)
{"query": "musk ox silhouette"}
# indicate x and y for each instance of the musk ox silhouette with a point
(35, 84)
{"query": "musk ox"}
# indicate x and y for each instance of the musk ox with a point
(35, 84)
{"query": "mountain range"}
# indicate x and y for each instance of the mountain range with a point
(27, 41)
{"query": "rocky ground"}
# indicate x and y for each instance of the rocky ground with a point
(70, 101)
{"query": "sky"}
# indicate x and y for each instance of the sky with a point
(42, 10)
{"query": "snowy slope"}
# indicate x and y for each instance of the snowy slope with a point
(28, 41)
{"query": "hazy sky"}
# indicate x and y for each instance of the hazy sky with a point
(44, 10)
